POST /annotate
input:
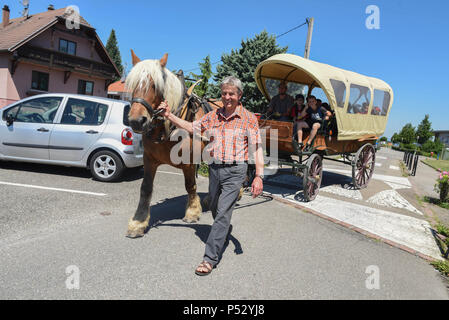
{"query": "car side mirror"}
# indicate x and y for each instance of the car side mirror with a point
(9, 120)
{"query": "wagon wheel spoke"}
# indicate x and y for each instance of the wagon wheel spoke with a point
(367, 175)
(360, 178)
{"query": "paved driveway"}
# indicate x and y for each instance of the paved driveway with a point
(50, 236)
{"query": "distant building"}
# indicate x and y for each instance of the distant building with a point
(40, 54)
(443, 136)
(117, 90)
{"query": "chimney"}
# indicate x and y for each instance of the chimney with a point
(50, 7)
(5, 16)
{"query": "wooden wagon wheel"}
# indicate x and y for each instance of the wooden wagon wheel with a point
(363, 166)
(313, 174)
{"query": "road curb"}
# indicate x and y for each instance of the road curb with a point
(354, 228)
(436, 169)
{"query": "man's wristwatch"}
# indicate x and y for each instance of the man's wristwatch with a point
(260, 176)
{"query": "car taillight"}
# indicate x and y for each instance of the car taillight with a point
(127, 137)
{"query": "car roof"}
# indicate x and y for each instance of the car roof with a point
(74, 95)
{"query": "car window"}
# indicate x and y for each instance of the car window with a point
(84, 112)
(125, 115)
(11, 111)
(39, 110)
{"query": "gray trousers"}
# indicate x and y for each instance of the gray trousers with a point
(224, 187)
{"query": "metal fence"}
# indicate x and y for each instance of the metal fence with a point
(411, 160)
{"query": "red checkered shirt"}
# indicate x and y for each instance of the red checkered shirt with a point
(229, 137)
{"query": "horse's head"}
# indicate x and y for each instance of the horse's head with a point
(150, 83)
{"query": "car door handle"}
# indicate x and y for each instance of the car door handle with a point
(43, 130)
(92, 132)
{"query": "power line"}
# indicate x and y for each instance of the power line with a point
(297, 27)
(199, 67)
(278, 36)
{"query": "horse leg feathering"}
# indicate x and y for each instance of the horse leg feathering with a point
(139, 223)
(193, 208)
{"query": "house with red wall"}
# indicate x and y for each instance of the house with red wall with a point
(42, 53)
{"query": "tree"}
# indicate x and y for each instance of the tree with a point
(395, 138)
(433, 146)
(114, 52)
(206, 73)
(383, 139)
(407, 134)
(424, 130)
(242, 63)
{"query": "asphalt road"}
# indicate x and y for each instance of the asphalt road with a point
(275, 251)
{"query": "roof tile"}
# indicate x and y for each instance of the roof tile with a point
(20, 29)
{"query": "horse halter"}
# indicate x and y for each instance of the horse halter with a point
(147, 106)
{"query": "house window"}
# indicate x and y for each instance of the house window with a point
(67, 46)
(85, 87)
(40, 81)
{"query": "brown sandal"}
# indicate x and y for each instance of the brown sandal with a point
(204, 265)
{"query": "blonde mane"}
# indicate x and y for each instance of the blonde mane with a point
(166, 83)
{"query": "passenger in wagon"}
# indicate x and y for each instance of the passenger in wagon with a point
(313, 122)
(281, 104)
(326, 106)
(297, 108)
(365, 106)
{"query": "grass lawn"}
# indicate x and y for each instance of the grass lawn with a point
(442, 165)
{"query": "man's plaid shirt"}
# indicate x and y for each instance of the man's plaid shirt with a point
(231, 136)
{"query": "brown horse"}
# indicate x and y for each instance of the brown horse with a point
(151, 83)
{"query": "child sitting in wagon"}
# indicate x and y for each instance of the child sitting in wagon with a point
(311, 117)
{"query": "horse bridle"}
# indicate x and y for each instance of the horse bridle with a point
(154, 114)
(147, 106)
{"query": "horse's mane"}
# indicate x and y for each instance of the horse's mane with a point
(166, 83)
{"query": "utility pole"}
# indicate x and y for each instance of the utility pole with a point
(309, 37)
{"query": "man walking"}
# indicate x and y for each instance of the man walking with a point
(235, 133)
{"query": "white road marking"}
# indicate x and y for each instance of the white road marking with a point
(396, 186)
(378, 164)
(411, 232)
(381, 157)
(394, 167)
(382, 177)
(338, 190)
(52, 189)
(392, 199)
(176, 173)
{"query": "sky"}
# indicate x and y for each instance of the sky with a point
(410, 50)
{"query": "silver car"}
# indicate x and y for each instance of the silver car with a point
(71, 130)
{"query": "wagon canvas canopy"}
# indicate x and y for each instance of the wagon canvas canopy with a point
(361, 104)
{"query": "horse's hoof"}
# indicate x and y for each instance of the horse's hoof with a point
(190, 220)
(134, 235)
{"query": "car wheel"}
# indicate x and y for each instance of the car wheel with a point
(106, 166)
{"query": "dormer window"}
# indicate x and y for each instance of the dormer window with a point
(67, 46)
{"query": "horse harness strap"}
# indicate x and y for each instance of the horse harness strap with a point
(145, 104)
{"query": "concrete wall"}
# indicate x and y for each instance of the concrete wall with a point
(8, 90)
(18, 86)
(83, 46)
